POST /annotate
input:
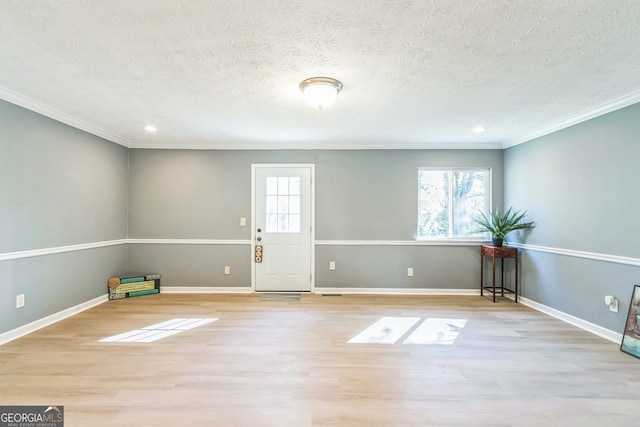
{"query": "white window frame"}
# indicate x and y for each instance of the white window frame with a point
(480, 237)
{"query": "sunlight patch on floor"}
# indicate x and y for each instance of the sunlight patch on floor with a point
(159, 330)
(387, 330)
(436, 331)
(390, 330)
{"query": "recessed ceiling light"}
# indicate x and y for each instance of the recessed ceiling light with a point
(478, 129)
(150, 128)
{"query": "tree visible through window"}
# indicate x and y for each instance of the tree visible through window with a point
(448, 199)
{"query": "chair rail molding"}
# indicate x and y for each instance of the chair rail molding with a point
(580, 254)
(6, 256)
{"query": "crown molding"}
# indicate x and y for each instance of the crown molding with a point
(608, 107)
(313, 145)
(40, 108)
(55, 114)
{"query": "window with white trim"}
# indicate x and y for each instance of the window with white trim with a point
(448, 199)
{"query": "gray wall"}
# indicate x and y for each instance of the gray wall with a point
(59, 186)
(360, 195)
(580, 185)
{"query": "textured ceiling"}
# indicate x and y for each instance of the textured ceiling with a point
(225, 73)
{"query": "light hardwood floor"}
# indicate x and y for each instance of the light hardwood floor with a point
(273, 363)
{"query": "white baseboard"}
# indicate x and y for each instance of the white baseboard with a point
(572, 320)
(49, 320)
(397, 291)
(353, 291)
(204, 290)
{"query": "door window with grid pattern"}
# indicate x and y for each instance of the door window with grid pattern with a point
(283, 204)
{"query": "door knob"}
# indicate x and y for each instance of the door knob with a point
(259, 238)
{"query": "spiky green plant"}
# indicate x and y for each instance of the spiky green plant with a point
(500, 224)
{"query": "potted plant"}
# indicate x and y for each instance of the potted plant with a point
(500, 224)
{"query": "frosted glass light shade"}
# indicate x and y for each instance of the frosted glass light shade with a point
(320, 92)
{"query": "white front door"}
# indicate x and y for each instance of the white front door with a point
(282, 226)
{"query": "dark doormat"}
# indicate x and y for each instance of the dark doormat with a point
(279, 297)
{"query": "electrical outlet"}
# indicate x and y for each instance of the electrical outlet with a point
(19, 300)
(410, 272)
(614, 305)
(227, 269)
(332, 265)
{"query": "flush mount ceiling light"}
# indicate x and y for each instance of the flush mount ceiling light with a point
(150, 129)
(320, 92)
(478, 129)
